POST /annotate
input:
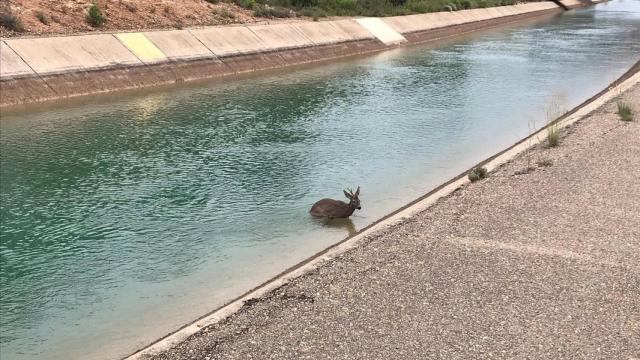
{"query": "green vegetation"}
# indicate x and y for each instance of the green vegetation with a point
(223, 13)
(478, 173)
(95, 17)
(322, 8)
(272, 11)
(553, 135)
(42, 17)
(314, 13)
(10, 21)
(624, 111)
(545, 162)
(247, 4)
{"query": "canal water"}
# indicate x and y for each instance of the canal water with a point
(126, 217)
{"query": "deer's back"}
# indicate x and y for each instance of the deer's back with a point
(330, 208)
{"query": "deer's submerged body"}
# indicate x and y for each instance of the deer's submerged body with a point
(332, 209)
(336, 209)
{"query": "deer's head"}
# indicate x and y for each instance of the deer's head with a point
(354, 201)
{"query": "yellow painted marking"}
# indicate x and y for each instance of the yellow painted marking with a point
(144, 49)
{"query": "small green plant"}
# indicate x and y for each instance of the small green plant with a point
(272, 11)
(314, 13)
(524, 171)
(553, 135)
(467, 4)
(478, 173)
(95, 17)
(10, 21)
(223, 13)
(624, 111)
(304, 3)
(42, 17)
(545, 162)
(247, 4)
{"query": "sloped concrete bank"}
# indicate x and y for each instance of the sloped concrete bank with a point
(41, 69)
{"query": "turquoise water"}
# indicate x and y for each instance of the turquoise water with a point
(125, 217)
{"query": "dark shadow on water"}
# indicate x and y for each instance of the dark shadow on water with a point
(345, 224)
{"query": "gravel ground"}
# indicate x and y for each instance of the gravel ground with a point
(537, 264)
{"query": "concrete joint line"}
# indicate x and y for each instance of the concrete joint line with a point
(396, 217)
(215, 56)
(295, 28)
(32, 69)
(297, 31)
(276, 49)
(265, 51)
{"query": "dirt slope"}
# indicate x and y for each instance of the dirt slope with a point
(69, 16)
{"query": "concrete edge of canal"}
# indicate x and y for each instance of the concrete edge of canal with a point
(624, 83)
(49, 68)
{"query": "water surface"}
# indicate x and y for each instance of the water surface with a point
(124, 218)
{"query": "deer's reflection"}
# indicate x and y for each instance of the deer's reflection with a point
(345, 224)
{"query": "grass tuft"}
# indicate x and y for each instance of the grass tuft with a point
(545, 162)
(42, 17)
(314, 13)
(9, 20)
(95, 17)
(478, 173)
(272, 11)
(553, 135)
(247, 4)
(223, 13)
(624, 111)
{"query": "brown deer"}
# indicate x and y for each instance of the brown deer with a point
(336, 209)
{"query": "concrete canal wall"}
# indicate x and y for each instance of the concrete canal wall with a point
(39, 69)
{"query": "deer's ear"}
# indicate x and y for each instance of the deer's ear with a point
(358, 190)
(346, 194)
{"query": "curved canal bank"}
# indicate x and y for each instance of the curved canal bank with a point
(40, 69)
(124, 219)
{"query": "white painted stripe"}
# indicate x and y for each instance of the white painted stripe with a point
(382, 31)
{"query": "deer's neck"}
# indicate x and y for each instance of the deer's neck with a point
(351, 208)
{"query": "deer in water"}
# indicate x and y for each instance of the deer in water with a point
(336, 209)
